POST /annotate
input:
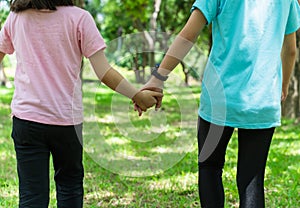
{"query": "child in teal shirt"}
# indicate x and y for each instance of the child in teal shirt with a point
(245, 80)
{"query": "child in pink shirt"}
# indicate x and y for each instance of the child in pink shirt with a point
(49, 39)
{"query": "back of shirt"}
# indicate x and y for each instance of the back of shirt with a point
(242, 79)
(49, 47)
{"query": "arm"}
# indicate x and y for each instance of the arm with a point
(288, 56)
(183, 42)
(178, 49)
(1, 56)
(118, 83)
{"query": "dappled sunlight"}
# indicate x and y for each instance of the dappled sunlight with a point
(162, 150)
(175, 183)
(286, 136)
(7, 155)
(4, 106)
(106, 119)
(9, 192)
(123, 143)
(109, 199)
(116, 140)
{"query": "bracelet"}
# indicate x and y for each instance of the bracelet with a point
(155, 73)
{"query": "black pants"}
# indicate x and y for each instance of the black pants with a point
(253, 148)
(34, 142)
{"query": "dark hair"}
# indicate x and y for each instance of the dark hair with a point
(21, 5)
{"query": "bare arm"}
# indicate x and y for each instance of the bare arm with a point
(114, 80)
(288, 56)
(178, 50)
(1, 56)
(180, 46)
(109, 76)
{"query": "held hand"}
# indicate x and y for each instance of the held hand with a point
(159, 99)
(145, 99)
(154, 85)
(157, 86)
(284, 94)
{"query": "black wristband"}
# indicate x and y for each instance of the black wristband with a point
(158, 75)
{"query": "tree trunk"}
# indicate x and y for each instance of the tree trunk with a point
(150, 37)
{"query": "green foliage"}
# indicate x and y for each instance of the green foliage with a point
(4, 10)
(174, 14)
(122, 18)
(130, 15)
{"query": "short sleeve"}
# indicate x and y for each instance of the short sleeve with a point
(6, 45)
(293, 22)
(209, 8)
(89, 37)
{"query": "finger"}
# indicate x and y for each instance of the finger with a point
(158, 104)
(283, 98)
(143, 107)
(157, 94)
(140, 112)
(138, 109)
(155, 89)
(135, 106)
(152, 102)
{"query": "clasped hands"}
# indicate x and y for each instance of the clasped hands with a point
(151, 94)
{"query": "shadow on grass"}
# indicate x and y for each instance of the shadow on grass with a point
(173, 187)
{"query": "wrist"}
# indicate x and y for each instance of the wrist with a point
(126, 89)
(155, 83)
(136, 96)
(155, 73)
(285, 85)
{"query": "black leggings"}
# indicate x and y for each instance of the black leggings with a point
(33, 144)
(253, 148)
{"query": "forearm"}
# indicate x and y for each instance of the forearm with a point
(288, 56)
(288, 64)
(1, 56)
(175, 54)
(110, 77)
(118, 83)
(182, 43)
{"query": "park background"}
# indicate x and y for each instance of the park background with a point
(138, 33)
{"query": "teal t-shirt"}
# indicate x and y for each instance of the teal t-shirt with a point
(242, 81)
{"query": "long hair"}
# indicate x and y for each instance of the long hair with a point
(21, 5)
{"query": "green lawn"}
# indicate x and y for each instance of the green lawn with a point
(151, 161)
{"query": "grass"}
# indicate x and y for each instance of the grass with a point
(151, 161)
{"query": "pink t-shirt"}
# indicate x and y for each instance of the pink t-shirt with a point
(49, 47)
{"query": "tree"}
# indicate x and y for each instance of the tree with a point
(156, 21)
(79, 3)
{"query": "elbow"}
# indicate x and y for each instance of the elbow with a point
(293, 52)
(290, 53)
(188, 36)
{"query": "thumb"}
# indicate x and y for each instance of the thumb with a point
(154, 89)
(157, 94)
